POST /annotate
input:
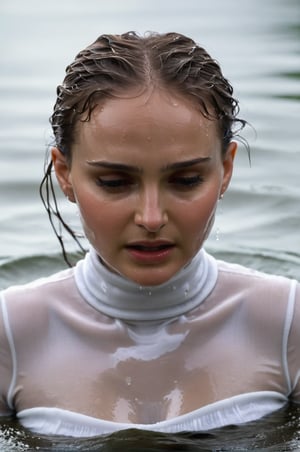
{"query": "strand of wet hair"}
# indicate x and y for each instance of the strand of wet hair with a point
(47, 194)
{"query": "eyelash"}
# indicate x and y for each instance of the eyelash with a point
(114, 185)
(187, 181)
(118, 185)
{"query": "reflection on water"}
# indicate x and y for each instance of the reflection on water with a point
(277, 432)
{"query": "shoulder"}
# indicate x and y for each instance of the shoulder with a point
(262, 296)
(31, 298)
(41, 283)
(28, 311)
(252, 279)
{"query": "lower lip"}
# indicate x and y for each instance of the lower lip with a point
(151, 257)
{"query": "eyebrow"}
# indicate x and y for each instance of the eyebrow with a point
(113, 166)
(135, 169)
(186, 163)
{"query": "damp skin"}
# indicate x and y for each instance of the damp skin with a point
(139, 393)
(129, 186)
(148, 356)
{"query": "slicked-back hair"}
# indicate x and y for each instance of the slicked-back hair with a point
(116, 65)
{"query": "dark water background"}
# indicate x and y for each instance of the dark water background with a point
(257, 43)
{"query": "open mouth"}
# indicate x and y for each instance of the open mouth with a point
(150, 253)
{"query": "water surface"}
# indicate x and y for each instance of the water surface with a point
(257, 45)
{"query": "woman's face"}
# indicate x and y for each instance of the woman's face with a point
(146, 174)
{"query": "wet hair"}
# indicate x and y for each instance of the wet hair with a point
(114, 65)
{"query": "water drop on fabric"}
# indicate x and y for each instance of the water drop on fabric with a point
(186, 290)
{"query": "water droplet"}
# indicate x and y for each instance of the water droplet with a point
(192, 50)
(186, 292)
(128, 381)
(174, 287)
(103, 287)
(141, 288)
(149, 293)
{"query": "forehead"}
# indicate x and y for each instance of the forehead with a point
(159, 116)
(152, 104)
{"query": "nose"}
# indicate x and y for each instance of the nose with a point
(150, 213)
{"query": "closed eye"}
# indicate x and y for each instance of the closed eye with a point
(186, 182)
(114, 184)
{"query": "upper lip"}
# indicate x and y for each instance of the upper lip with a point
(150, 243)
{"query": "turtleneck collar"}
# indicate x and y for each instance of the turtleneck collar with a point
(120, 298)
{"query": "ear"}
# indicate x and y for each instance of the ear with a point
(62, 172)
(228, 160)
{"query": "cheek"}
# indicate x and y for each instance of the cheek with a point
(199, 217)
(198, 220)
(91, 213)
(209, 226)
(99, 219)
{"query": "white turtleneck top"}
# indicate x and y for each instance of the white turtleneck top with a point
(86, 352)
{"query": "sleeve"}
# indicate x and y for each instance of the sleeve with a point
(293, 349)
(6, 361)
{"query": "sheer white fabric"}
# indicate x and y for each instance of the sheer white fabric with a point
(86, 352)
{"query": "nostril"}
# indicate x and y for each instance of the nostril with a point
(151, 223)
(151, 213)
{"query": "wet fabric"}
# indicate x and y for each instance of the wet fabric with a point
(86, 352)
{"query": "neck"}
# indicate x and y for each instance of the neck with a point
(118, 297)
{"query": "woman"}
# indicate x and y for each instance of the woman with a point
(147, 331)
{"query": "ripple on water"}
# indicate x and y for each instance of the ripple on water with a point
(277, 432)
